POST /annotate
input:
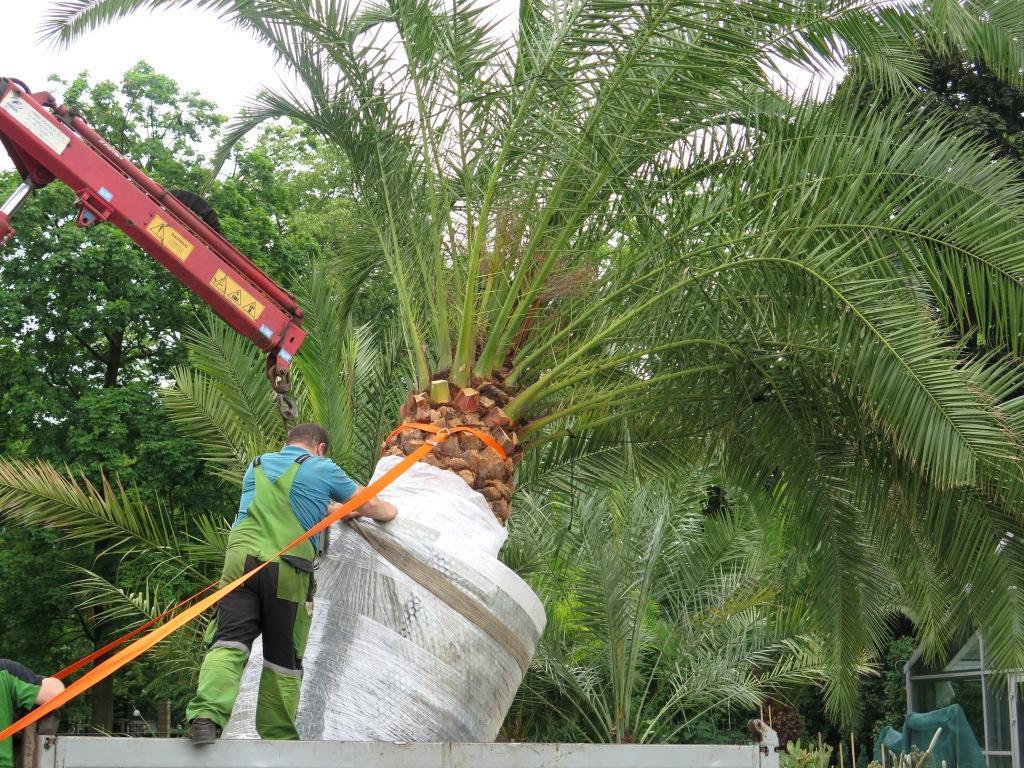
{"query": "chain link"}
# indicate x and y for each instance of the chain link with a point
(281, 382)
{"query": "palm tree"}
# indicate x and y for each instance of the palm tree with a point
(610, 218)
(659, 617)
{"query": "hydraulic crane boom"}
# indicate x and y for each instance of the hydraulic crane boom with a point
(48, 142)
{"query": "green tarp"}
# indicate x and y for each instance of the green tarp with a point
(957, 745)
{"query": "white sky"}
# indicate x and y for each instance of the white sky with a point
(196, 49)
(199, 51)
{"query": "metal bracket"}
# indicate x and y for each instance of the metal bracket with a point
(93, 209)
(12, 204)
(767, 740)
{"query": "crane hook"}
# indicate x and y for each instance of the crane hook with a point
(281, 382)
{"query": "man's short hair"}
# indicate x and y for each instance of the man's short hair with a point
(308, 434)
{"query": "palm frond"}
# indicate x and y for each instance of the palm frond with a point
(655, 614)
(222, 401)
(33, 493)
(198, 409)
(128, 608)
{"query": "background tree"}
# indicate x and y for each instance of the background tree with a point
(91, 326)
(992, 106)
(94, 321)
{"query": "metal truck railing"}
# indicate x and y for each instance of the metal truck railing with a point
(98, 752)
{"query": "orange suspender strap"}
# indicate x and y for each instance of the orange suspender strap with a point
(109, 666)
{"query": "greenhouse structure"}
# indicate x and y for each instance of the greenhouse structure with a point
(993, 703)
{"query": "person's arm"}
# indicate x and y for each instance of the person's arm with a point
(248, 491)
(344, 488)
(376, 509)
(28, 689)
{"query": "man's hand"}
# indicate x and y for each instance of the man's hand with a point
(375, 509)
(48, 689)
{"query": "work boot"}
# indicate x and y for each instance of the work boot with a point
(202, 731)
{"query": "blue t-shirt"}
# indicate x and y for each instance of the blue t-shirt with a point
(317, 482)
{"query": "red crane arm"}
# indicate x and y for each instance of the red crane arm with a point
(48, 142)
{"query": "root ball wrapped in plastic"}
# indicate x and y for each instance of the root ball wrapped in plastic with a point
(419, 632)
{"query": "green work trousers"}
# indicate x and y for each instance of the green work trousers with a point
(264, 605)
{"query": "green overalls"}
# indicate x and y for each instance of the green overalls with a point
(276, 602)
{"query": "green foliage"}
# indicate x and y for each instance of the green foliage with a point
(962, 92)
(658, 619)
(798, 756)
(284, 199)
(348, 378)
(127, 562)
(48, 630)
(985, 103)
(964, 86)
(885, 696)
(87, 306)
(162, 554)
(882, 701)
(93, 322)
(90, 326)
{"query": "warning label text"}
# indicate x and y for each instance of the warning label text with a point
(237, 295)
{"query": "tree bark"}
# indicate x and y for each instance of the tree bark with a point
(115, 349)
(465, 455)
(102, 694)
(101, 703)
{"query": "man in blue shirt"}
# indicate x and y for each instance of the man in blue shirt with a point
(284, 494)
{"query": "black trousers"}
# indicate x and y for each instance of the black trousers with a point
(266, 605)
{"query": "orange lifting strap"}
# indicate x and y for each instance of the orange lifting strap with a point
(143, 644)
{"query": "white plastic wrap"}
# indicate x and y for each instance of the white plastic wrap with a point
(389, 661)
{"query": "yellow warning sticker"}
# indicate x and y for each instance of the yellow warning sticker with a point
(172, 239)
(237, 295)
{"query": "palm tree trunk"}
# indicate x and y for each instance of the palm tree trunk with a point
(479, 406)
